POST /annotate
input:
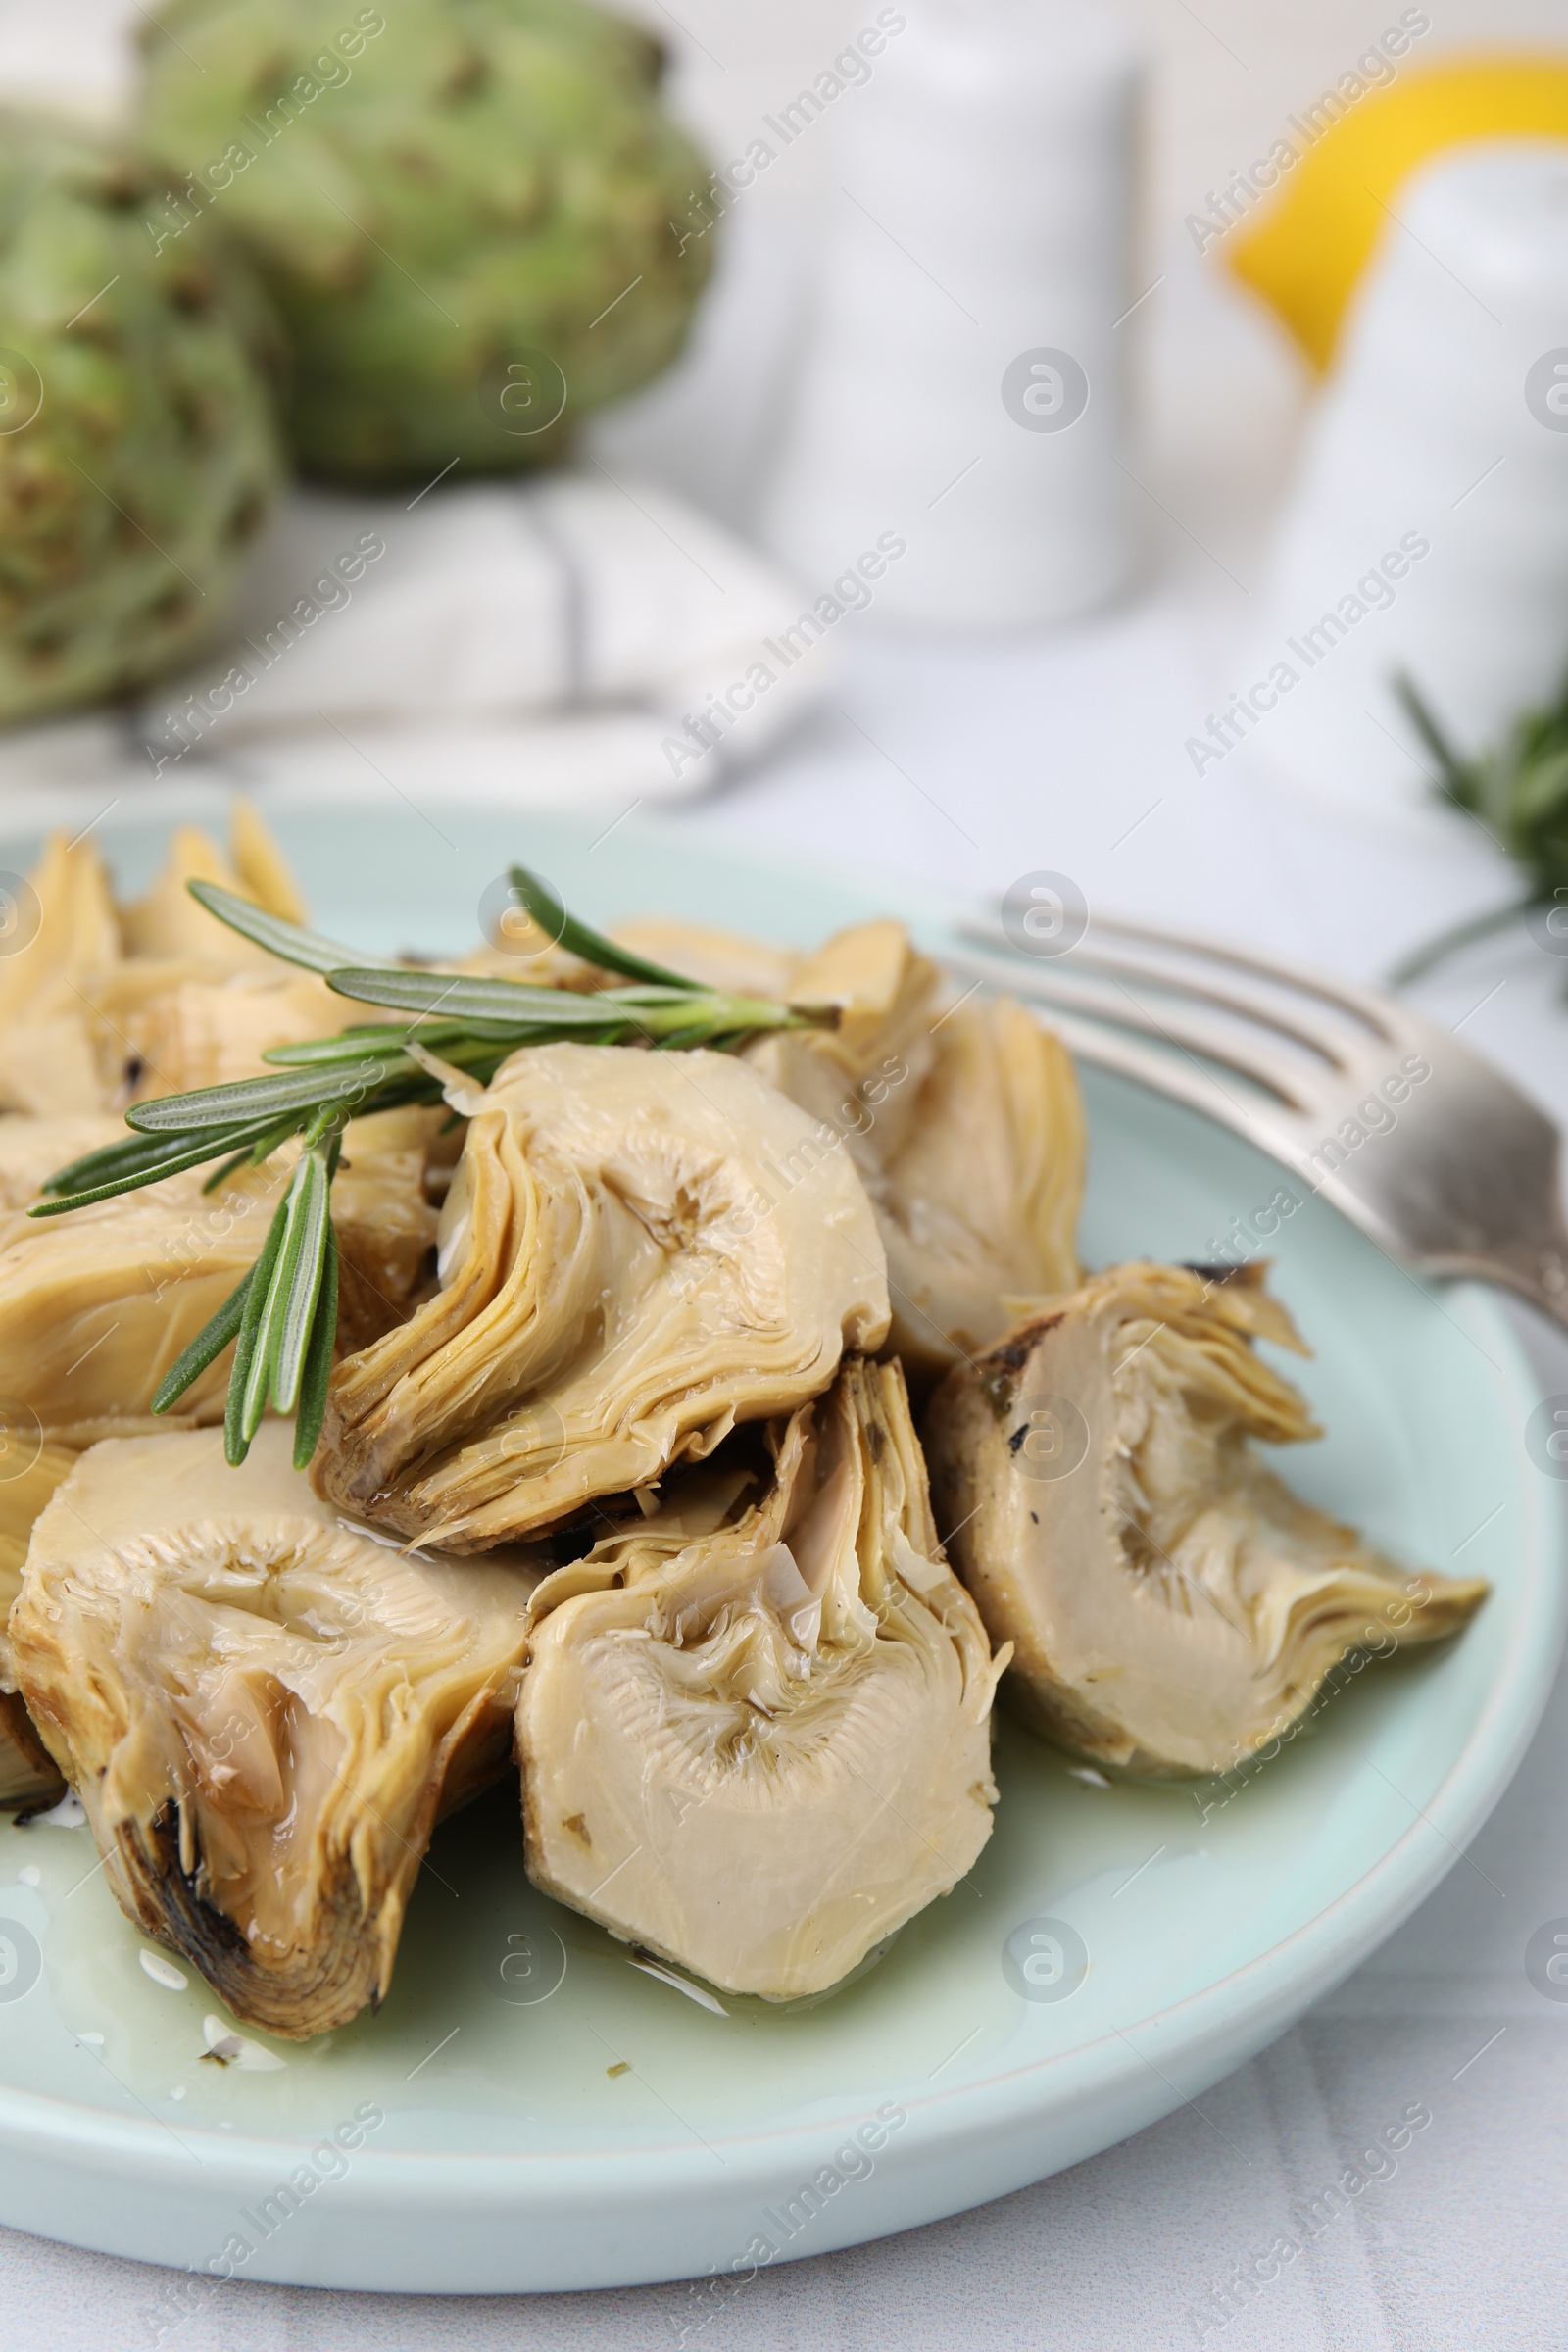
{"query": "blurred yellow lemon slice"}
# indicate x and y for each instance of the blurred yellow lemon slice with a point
(1306, 254)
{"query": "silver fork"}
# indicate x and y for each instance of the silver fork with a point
(1455, 1172)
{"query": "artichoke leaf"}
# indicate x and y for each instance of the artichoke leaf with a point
(29, 1773)
(103, 1004)
(1174, 1606)
(29, 1473)
(172, 920)
(49, 1046)
(966, 1127)
(757, 1750)
(979, 1204)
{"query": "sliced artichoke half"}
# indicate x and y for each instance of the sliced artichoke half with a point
(101, 1004)
(1173, 1605)
(61, 925)
(638, 1251)
(30, 1472)
(96, 1306)
(755, 1733)
(263, 1712)
(28, 1774)
(966, 1124)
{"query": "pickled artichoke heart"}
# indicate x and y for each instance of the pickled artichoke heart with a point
(979, 1205)
(395, 1164)
(723, 960)
(637, 1252)
(263, 1712)
(139, 452)
(31, 1150)
(167, 922)
(100, 1006)
(29, 1773)
(770, 1747)
(874, 1064)
(29, 1473)
(183, 1028)
(59, 927)
(96, 1306)
(193, 1002)
(1173, 1605)
(968, 1130)
(476, 230)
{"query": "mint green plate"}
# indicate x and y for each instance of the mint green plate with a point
(530, 2110)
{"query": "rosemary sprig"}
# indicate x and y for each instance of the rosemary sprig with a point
(1518, 793)
(283, 1317)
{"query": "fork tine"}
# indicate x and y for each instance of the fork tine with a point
(1190, 1033)
(1369, 1013)
(1466, 1180)
(1328, 1043)
(1127, 1059)
(1372, 1012)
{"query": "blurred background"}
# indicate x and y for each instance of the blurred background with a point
(1222, 390)
(1048, 674)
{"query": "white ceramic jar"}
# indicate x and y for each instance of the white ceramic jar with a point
(1427, 530)
(963, 380)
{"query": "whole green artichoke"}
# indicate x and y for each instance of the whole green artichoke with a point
(138, 449)
(474, 214)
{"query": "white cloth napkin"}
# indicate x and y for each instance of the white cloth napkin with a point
(567, 637)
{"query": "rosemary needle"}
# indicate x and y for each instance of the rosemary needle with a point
(1518, 793)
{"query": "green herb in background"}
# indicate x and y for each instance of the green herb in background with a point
(283, 1315)
(1519, 794)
